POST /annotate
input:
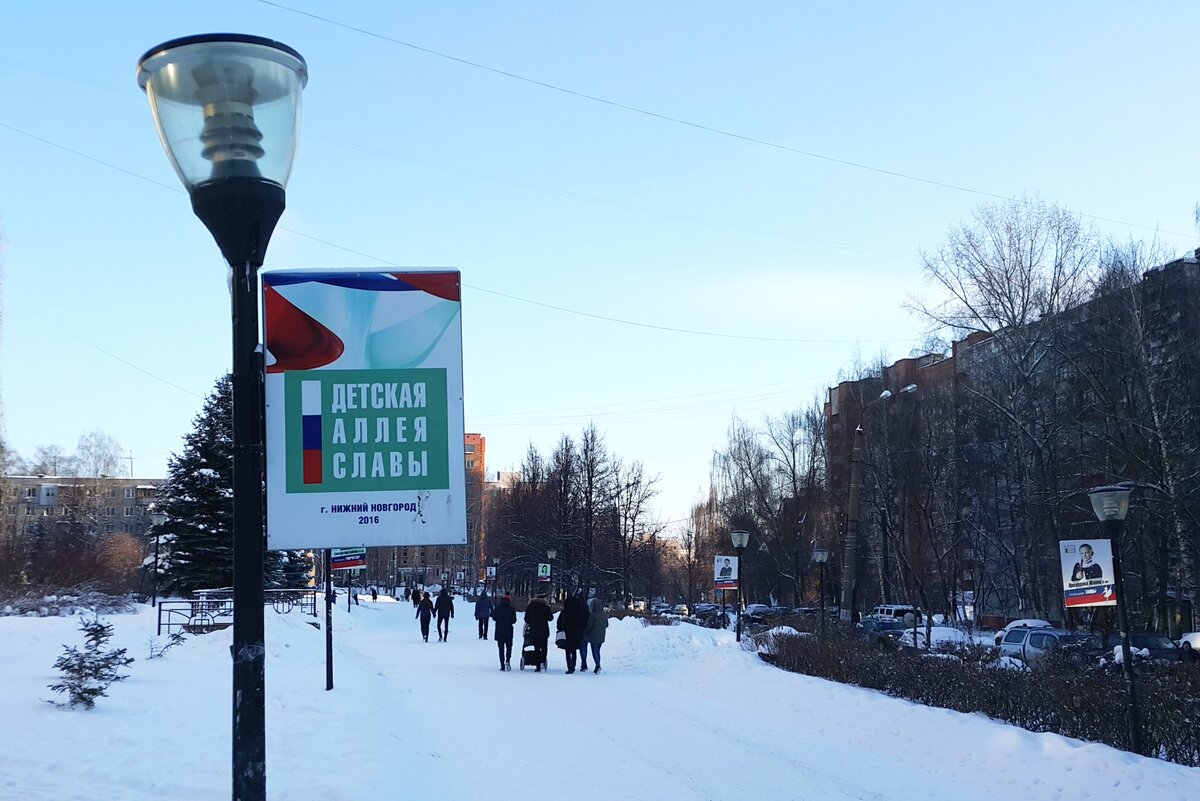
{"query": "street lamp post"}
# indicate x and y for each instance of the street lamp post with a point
(850, 555)
(227, 109)
(821, 556)
(740, 538)
(1111, 505)
(495, 574)
(550, 554)
(157, 521)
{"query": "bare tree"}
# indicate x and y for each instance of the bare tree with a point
(1008, 275)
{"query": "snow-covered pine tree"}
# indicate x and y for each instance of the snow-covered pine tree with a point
(197, 498)
(87, 674)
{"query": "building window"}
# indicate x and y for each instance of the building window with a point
(470, 449)
(110, 511)
(29, 511)
(31, 492)
(129, 510)
(111, 492)
(130, 492)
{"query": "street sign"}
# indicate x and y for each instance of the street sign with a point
(543, 571)
(364, 408)
(347, 558)
(491, 571)
(458, 576)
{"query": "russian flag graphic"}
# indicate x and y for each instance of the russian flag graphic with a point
(310, 410)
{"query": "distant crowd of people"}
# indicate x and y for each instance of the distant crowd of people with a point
(580, 629)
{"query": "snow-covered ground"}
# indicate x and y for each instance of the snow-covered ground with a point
(678, 712)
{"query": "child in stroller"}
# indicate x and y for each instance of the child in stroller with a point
(533, 651)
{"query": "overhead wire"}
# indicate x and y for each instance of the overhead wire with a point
(554, 87)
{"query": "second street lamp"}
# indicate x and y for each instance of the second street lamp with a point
(1111, 504)
(821, 556)
(227, 109)
(157, 521)
(739, 539)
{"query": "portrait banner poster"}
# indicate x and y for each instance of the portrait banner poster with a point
(725, 572)
(1087, 570)
(364, 408)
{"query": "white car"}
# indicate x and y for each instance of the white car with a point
(1023, 623)
(938, 635)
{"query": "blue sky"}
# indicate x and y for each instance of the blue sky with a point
(791, 254)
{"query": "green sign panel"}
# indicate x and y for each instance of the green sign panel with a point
(366, 430)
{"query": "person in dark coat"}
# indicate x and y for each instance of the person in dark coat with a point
(506, 618)
(445, 610)
(374, 595)
(416, 597)
(594, 633)
(424, 611)
(571, 620)
(538, 616)
(483, 612)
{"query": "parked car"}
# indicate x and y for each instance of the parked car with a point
(757, 612)
(806, 611)
(1024, 623)
(880, 633)
(680, 609)
(939, 635)
(1160, 646)
(891, 612)
(1031, 644)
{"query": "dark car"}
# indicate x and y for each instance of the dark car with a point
(880, 633)
(757, 612)
(1160, 646)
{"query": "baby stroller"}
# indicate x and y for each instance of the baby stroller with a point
(533, 653)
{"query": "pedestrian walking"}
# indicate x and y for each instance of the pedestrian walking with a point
(445, 610)
(593, 634)
(505, 616)
(537, 618)
(483, 613)
(571, 621)
(424, 611)
(416, 597)
(374, 595)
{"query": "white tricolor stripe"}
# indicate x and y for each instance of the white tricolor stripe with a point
(310, 397)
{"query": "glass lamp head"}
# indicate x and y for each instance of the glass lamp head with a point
(739, 538)
(1109, 503)
(226, 106)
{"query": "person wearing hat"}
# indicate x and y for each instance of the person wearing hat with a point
(538, 616)
(506, 618)
(593, 634)
(483, 612)
(444, 606)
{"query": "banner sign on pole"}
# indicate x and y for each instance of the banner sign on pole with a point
(725, 572)
(1087, 570)
(364, 409)
(347, 558)
(543, 571)
(491, 571)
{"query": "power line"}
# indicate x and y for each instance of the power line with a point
(391, 263)
(681, 121)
